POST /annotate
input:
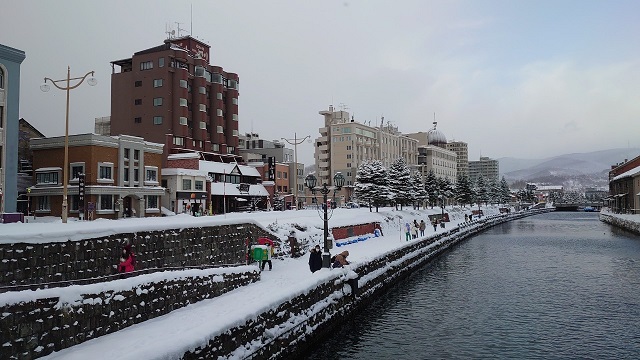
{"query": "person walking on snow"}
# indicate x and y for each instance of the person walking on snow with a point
(423, 226)
(435, 224)
(407, 230)
(415, 228)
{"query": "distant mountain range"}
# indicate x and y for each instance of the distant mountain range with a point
(558, 169)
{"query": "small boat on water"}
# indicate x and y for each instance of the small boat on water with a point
(589, 209)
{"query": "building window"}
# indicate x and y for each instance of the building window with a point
(216, 78)
(234, 101)
(199, 184)
(136, 175)
(231, 149)
(43, 202)
(203, 125)
(126, 153)
(183, 83)
(76, 170)
(146, 65)
(284, 175)
(161, 62)
(219, 96)
(105, 172)
(151, 174)
(235, 117)
(234, 133)
(106, 202)
(138, 83)
(215, 147)
(202, 107)
(152, 202)
(183, 120)
(136, 154)
(137, 120)
(186, 184)
(47, 178)
(137, 101)
(157, 120)
(157, 83)
(126, 175)
(183, 102)
(219, 112)
(219, 129)
(157, 101)
(178, 141)
(202, 90)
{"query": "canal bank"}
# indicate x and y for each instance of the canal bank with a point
(285, 310)
(627, 222)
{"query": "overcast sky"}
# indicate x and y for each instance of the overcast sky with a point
(526, 79)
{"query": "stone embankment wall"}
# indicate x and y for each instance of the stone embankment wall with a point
(34, 328)
(23, 264)
(291, 328)
(626, 222)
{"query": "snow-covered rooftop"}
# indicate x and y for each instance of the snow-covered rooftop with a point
(631, 173)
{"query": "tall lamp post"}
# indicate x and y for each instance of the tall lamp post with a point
(65, 170)
(311, 182)
(295, 142)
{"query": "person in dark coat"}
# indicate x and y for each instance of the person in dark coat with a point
(315, 259)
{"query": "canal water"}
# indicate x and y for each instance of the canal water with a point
(553, 286)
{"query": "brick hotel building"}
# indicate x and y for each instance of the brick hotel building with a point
(170, 94)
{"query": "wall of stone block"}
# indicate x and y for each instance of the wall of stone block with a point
(23, 263)
(36, 328)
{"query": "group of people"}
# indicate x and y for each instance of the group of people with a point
(315, 259)
(413, 229)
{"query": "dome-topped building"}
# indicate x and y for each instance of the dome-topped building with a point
(436, 137)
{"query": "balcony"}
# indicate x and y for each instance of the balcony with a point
(323, 148)
(323, 156)
(323, 164)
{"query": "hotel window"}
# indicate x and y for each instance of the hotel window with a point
(199, 185)
(43, 203)
(76, 170)
(203, 125)
(235, 117)
(105, 172)
(202, 90)
(186, 184)
(183, 84)
(152, 202)
(138, 83)
(202, 107)
(106, 202)
(219, 96)
(219, 129)
(157, 101)
(183, 120)
(161, 62)
(183, 102)
(157, 83)
(178, 141)
(157, 120)
(151, 174)
(48, 178)
(234, 133)
(137, 101)
(234, 101)
(219, 112)
(146, 65)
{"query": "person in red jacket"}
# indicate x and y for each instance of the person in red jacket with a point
(127, 261)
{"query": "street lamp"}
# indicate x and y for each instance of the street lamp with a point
(295, 142)
(311, 182)
(65, 170)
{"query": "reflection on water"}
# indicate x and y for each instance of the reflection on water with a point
(559, 285)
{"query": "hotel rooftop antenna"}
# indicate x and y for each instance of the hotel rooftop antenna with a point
(191, 18)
